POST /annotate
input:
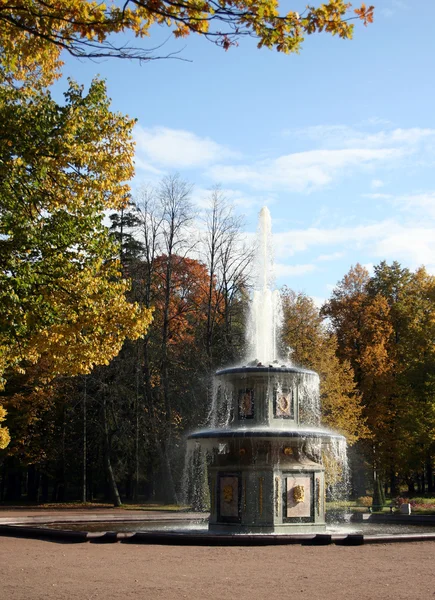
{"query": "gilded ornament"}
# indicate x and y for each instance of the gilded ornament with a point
(298, 493)
(228, 493)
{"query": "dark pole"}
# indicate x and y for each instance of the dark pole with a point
(84, 441)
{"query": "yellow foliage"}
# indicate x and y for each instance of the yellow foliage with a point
(314, 347)
(61, 293)
(89, 331)
(34, 32)
(4, 432)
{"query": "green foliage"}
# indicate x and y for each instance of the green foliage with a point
(378, 494)
(60, 168)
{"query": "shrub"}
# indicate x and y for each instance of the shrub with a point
(365, 501)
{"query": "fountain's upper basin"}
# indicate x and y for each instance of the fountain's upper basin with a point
(273, 368)
(306, 433)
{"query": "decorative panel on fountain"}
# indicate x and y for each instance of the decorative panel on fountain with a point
(283, 403)
(245, 402)
(299, 497)
(229, 497)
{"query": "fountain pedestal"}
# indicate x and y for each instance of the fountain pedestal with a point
(265, 469)
(267, 496)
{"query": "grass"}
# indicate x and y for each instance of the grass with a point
(419, 505)
(95, 505)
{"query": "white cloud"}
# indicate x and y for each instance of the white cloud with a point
(303, 171)
(370, 267)
(143, 165)
(240, 200)
(283, 270)
(319, 301)
(377, 196)
(333, 136)
(177, 148)
(387, 239)
(338, 151)
(423, 203)
(401, 137)
(332, 256)
(395, 6)
(375, 122)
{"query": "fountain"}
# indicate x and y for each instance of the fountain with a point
(265, 470)
(266, 455)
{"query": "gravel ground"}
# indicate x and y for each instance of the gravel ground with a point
(43, 570)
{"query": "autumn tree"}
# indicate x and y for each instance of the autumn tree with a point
(61, 167)
(312, 346)
(4, 432)
(34, 32)
(384, 325)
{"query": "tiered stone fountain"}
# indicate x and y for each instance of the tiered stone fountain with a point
(265, 468)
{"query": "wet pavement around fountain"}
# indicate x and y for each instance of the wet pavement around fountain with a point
(42, 570)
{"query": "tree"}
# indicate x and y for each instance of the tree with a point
(227, 259)
(61, 296)
(33, 32)
(362, 325)
(123, 228)
(314, 347)
(4, 432)
(384, 325)
(61, 167)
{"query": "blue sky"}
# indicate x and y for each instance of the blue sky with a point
(338, 142)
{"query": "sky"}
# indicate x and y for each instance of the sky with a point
(338, 141)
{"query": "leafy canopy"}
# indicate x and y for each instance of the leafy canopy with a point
(385, 327)
(4, 433)
(33, 32)
(60, 168)
(313, 346)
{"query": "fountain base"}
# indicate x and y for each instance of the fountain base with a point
(265, 471)
(265, 494)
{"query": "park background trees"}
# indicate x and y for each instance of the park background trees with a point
(83, 371)
(384, 327)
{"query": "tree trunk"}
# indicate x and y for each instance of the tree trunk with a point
(114, 493)
(32, 483)
(136, 442)
(411, 487)
(44, 488)
(429, 475)
(393, 484)
(84, 483)
(113, 488)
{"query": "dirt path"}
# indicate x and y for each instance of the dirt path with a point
(41, 570)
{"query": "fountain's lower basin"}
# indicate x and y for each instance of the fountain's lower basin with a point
(195, 532)
(266, 479)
